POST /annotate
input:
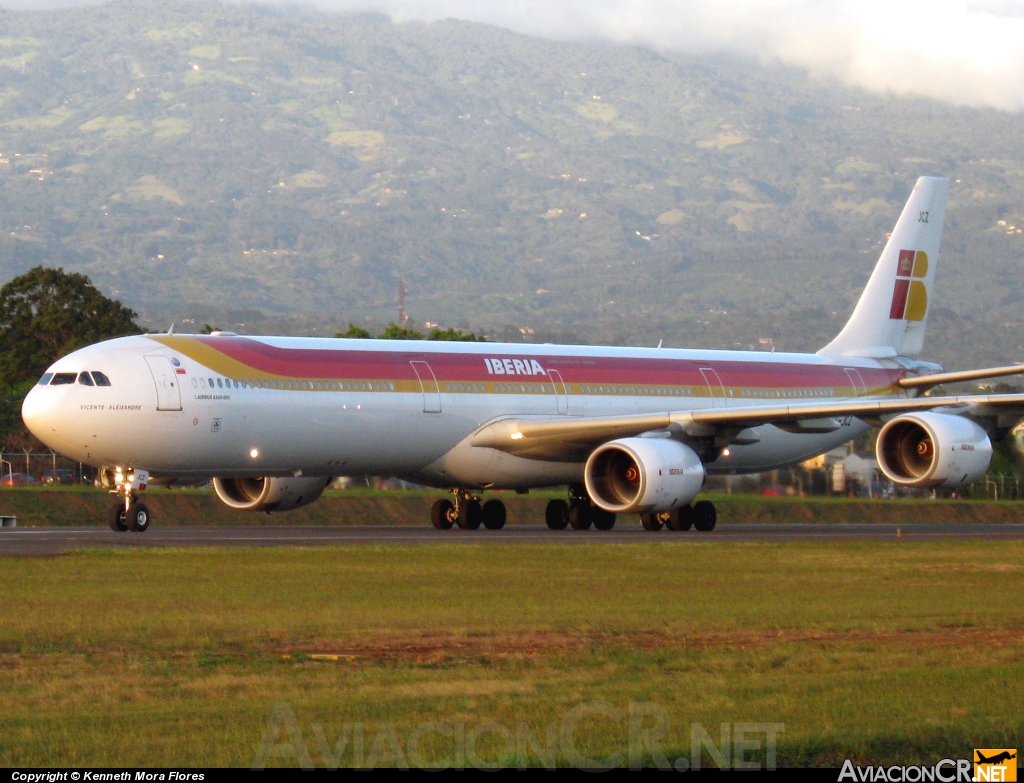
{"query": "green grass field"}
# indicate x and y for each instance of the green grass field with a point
(895, 652)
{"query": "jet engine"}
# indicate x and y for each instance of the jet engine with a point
(643, 475)
(269, 494)
(933, 450)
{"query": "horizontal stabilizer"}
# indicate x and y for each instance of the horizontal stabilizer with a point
(928, 381)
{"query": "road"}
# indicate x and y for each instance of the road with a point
(54, 540)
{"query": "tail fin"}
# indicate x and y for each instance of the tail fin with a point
(892, 313)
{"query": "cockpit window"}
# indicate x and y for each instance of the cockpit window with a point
(45, 379)
(100, 378)
(64, 378)
(85, 379)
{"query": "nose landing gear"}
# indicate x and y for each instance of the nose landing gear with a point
(128, 513)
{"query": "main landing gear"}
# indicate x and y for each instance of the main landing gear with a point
(701, 516)
(466, 511)
(579, 513)
(128, 513)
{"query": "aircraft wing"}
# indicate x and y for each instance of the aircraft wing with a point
(571, 438)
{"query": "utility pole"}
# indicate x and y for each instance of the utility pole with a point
(402, 317)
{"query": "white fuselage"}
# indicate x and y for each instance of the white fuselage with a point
(192, 407)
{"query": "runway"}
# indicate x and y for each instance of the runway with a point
(55, 540)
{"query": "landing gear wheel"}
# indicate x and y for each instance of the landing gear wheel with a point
(681, 518)
(650, 522)
(441, 514)
(137, 517)
(470, 515)
(704, 515)
(557, 514)
(116, 517)
(580, 516)
(603, 520)
(494, 515)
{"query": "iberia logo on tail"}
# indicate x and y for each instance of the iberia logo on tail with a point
(910, 298)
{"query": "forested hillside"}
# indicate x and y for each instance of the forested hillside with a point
(248, 164)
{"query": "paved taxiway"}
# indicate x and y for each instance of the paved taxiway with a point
(54, 540)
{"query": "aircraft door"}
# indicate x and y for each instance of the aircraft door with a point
(856, 381)
(715, 387)
(168, 394)
(561, 398)
(429, 385)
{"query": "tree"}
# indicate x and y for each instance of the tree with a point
(455, 335)
(47, 313)
(396, 332)
(208, 329)
(355, 333)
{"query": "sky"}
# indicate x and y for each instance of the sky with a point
(966, 53)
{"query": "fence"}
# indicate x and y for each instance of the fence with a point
(48, 467)
(802, 482)
(995, 487)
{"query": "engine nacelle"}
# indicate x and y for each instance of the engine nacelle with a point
(933, 450)
(269, 494)
(642, 475)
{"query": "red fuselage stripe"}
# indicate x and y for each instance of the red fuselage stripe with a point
(395, 365)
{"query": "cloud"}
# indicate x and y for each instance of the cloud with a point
(967, 53)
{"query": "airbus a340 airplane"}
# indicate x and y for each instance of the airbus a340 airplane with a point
(629, 430)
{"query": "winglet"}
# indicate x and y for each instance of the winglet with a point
(892, 314)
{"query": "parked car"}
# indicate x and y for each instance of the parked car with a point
(60, 476)
(16, 480)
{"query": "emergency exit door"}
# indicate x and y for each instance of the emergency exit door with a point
(715, 388)
(428, 384)
(168, 393)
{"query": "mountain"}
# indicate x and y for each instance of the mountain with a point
(261, 164)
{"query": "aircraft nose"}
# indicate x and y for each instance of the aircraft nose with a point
(40, 413)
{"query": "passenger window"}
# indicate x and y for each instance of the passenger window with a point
(220, 384)
(64, 378)
(85, 379)
(211, 382)
(45, 379)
